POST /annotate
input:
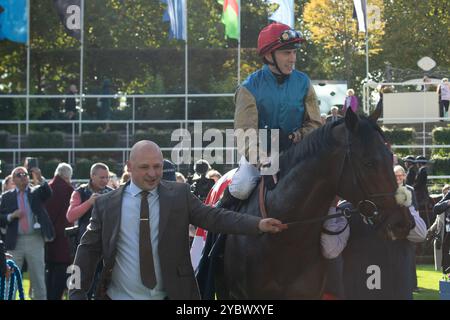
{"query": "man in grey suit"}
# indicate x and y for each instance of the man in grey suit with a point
(141, 232)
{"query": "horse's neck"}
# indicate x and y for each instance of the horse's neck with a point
(307, 190)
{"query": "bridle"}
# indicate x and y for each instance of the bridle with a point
(369, 199)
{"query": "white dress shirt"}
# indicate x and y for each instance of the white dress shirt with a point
(126, 283)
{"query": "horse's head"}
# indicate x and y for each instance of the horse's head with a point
(367, 179)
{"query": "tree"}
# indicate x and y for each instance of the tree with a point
(330, 25)
(415, 29)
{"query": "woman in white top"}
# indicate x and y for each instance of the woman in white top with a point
(444, 97)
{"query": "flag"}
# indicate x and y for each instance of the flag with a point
(14, 20)
(283, 12)
(69, 12)
(359, 12)
(230, 18)
(197, 247)
(200, 235)
(176, 15)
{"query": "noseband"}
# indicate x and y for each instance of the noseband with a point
(369, 199)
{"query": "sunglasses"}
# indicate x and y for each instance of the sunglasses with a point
(288, 35)
(21, 175)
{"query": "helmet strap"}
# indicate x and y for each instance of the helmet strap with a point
(282, 76)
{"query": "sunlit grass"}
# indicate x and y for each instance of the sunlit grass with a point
(428, 282)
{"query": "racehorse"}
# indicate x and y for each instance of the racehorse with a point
(348, 158)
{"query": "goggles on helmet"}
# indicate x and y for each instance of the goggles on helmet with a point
(289, 35)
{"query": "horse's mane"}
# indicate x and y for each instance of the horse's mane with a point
(320, 140)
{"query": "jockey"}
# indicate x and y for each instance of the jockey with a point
(277, 96)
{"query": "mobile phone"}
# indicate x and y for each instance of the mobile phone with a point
(31, 163)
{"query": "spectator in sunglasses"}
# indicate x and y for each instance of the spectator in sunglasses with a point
(28, 225)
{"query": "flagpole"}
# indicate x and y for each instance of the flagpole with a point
(27, 116)
(366, 88)
(186, 87)
(239, 45)
(367, 44)
(80, 117)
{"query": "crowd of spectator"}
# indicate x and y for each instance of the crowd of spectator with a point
(42, 220)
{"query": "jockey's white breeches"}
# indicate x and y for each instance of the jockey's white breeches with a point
(244, 180)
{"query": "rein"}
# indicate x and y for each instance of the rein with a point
(357, 181)
(346, 213)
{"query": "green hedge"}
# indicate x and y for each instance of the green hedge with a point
(83, 167)
(441, 165)
(160, 137)
(48, 167)
(441, 135)
(4, 139)
(99, 139)
(45, 139)
(399, 136)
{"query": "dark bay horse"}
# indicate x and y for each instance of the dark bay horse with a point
(348, 158)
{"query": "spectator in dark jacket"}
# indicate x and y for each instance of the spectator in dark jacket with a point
(70, 104)
(442, 210)
(58, 256)
(420, 186)
(81, 204)
(200, 183)
(411, 170)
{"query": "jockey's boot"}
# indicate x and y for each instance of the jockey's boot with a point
(227, 201)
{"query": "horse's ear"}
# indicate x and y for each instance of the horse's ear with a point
(376, 114)
(351, 120)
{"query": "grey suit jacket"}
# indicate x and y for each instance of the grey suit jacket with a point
(178, 209)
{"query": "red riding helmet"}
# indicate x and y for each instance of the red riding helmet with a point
(277, 35)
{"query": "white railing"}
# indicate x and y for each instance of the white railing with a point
(18, 150)
(133, 97)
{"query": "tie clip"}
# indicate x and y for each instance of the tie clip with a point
(143, 219)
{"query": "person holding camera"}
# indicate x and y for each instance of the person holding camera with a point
(28, 225)
(201, 185)
(31, 163)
